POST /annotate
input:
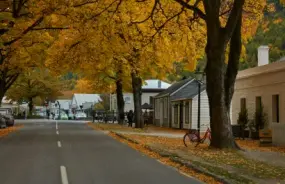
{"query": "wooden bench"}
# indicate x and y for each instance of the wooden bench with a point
(265, 137)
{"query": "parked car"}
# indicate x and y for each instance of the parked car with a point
(7, 114)
(80, 115)
(71, 115)
(63, 116)
(2, 122)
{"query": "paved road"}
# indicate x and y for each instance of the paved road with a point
(72, 153)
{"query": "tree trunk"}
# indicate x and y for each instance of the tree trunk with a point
(221, 78)
(31, 106)
(120, 101)
(219, 113)
(137, 93)
(2, 93)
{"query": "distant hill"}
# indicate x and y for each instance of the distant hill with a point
(270, 32)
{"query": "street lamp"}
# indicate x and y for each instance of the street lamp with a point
(199, 79)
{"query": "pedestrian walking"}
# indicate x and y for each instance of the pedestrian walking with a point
(130, 117)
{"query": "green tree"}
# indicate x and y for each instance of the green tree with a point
(34, 83)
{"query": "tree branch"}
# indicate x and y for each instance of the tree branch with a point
(49, 28)
(11, 80)
(193, 8)
(150, 15)
(37, 22)
(105, 9)
(233, 18)
(85, 3)
(233, 63)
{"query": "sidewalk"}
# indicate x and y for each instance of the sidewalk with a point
(254, 165)
(157, 134)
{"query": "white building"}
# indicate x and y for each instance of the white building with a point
(84, 100)
(263, 85)
(151, 88)
(177, 106)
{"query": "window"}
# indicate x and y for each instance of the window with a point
(157, 108)
(275, 108)
(242, 104)
(258, 103)
(175, 114)
(165, 106)
(187, 112)
(151, 100)
(127, 100)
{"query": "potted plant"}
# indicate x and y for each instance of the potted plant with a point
(260, 121)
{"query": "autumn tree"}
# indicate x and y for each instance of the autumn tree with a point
(83, 49)
(129, 24)
(110, 38)
(223, 25)
(34, 83)
(26, 28)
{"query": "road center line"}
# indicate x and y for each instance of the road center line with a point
(57, 132)
(63, 173)
(56, 125)
(59, 144)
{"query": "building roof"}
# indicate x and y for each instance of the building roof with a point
(174, 87)
(64, 104)
(272, 67)
(79, 99)
(149, 90)
(188, 92)
(155, 84)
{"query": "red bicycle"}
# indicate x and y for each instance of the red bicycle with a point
(192, 137)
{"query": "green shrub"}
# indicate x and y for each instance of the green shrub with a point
(243, 117)
(260, 118)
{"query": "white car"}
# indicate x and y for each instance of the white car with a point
(80, 115)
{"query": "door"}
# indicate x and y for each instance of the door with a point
(161, 112)
(181, 115)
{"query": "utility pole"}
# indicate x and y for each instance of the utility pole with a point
(199, 106)
(199, 81)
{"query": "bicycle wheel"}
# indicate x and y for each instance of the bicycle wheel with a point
(207, 140)
(190, 140)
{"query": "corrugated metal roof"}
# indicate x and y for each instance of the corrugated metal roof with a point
(188, 92)
(174, 87)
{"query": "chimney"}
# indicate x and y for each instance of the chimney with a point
(159, 83)
(263, 55)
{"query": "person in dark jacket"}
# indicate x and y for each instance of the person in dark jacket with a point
(130, 117)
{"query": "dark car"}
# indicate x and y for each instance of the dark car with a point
(2, 122)
(7, 114)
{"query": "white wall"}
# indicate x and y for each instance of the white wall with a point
(205, 113)
(278, 132)
(130, 106)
